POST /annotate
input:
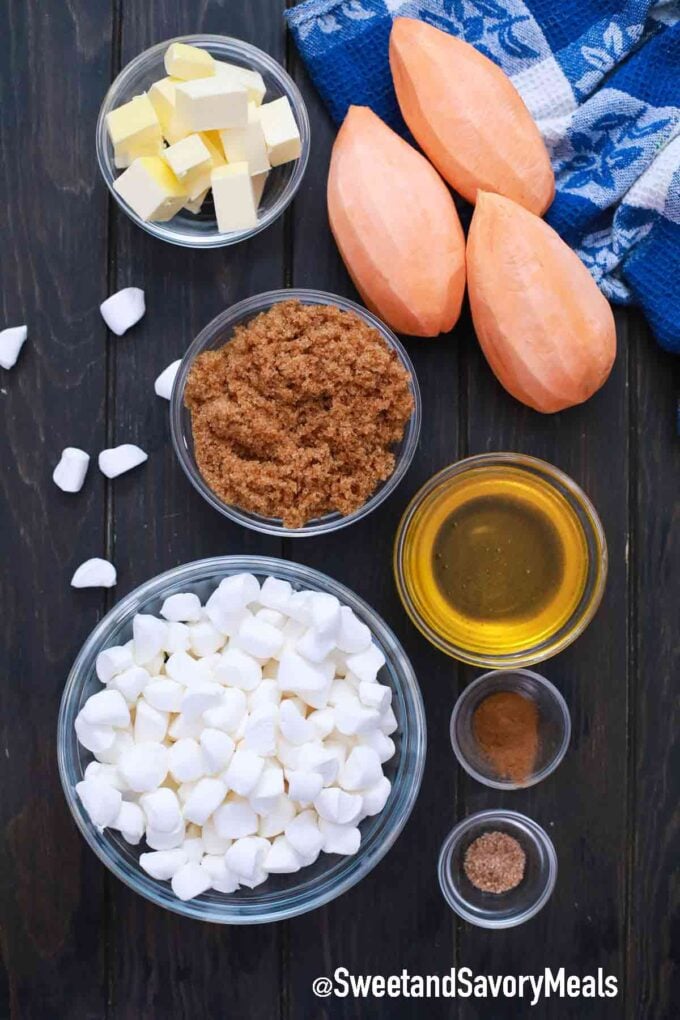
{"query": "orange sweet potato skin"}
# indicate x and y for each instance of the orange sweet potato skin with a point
(545, 329)
(396, 227)
(467, 116)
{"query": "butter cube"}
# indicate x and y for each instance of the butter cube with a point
(234, 199)
(191, 164)
(194, 205)
(209, 104)
(251, 80)
(211, 140)
(134, 130)
(151, 189)
(259, 182)
(162, 97)
(280, 131)
(247, 144)
(188, 62)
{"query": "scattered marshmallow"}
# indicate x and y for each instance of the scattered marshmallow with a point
(94, 573)
(11, 342)
(165, 381)
(119, 459)
(123, 309)
(69, 474)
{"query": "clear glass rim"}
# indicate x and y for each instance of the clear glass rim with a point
(594, 534)
(222, 323)
(532, 830)
(402, 799)
(473, 688)
(259, 59)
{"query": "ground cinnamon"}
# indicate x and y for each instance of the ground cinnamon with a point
(505, 725)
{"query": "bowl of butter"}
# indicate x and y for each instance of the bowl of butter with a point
(203, 141)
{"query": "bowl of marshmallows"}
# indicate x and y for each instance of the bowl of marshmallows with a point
(241, 739)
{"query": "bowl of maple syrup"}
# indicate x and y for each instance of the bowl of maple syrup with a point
(501, 560)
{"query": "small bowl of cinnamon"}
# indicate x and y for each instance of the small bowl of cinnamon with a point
(510, 729)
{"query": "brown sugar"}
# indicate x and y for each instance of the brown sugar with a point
(505, 725)
(495, 862)
(298, 414)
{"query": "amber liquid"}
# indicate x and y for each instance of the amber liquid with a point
(496, 560)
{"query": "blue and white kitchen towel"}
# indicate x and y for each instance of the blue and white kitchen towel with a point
(602, 80)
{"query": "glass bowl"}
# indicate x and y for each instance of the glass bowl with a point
(554, 726)
(281, 896)
(430, 613)
(215, 335)
(200, 231)
(498, 910)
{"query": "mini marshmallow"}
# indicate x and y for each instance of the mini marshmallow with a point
(204, 638)
(161, 809)
(148, 635)
(268, 789)
(351, 717)
(165, 381)
(106, 774)
(187, 671)
(164, 694)
(184, 607)
(94, 738)
(193, 846)
(190, 880)
(69, 474)
(237, 669)
(340, 690)
(226, 620)
(275, 821)
(144, 766)
(287, 753)
(182, 728)
(130, 822)
(261, 730)
(293, 725)
(185, 761)
(229, 713)
(376, 797)
(271, 616)
(218, 748)
(338, 806)
(322, 722)
(388, 722)
(184, 791)
(235, 819)
(11, 342)
(131, 682)
(204, 799)
(112, 661)
(212, 841)
(200, 697)
(150, 724)
(245, 856)
(324, 612)
(176, 637)
(244, 771)
(267, 693)
(361, 770)
(238, 591)
(111, 755)
(259, 639)
(339, 748)
(303, 786)
(106, 708)
(315, 646)
(297, 676)
(366, 665)
(275, 594)
(376, 696)
(281, 858)
(353, 635)
(304, 836)
(221, 878)
(314, 757)
(163, 864)
(94, 573)
(381, 744)
(339, 839)
(298, 607)
(123, 309)
(101, 801)
(159, 840)
(119, 459)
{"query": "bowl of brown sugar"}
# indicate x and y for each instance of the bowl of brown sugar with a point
(295, 412)
(510, 728)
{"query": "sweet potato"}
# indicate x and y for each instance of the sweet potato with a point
(546, 330)
(396, 226)
(468, 117)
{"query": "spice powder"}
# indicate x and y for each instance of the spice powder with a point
(298, 414)
(495, 862)
(505, 725)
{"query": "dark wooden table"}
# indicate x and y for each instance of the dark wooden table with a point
(74, 941)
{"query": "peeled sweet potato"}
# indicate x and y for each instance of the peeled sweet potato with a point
(468, 117)
(546, 330)
(397, 229)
